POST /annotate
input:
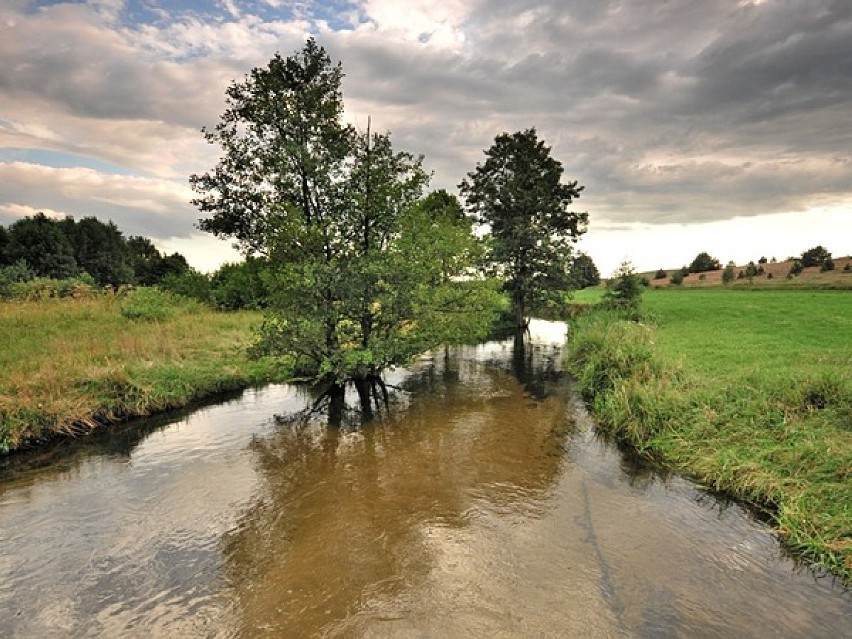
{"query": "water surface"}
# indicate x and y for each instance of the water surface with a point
(480, 504)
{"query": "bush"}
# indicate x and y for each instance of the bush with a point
(154, 305)
(13, 274)
(624, 289)
(189, 283)
(729, 274)
(676, 278)
(796, 267)
(827, 265)
(661, 275)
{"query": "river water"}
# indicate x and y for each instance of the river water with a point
(480, 504)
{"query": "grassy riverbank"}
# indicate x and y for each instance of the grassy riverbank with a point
(73, 364)
(749, 391)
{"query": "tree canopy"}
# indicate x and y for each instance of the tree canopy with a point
(584, 273)
(361, 269)
(704, 262)
(518, 192)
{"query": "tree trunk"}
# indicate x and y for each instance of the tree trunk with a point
(363, 386)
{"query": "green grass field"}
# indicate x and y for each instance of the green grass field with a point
(749, 391)
(72, 364)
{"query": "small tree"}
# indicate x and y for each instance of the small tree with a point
(519, 193)
(815, 256)
(677, 278)
(729, 274)
(750, 272)
(762, 260)
(583, 272)
(704, 262)
(624, 288)
(827, 265)
(661, 274)
(796, 267)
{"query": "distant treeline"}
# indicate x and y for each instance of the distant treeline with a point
(41, 247)
(36, 251)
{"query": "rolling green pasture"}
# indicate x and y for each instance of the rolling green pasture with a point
(748, 391)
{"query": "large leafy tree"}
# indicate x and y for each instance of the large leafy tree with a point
(337, 215)
(100, 250)
(40, 242)
(519, 193)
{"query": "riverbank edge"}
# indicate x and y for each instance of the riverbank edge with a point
(718, 434)
(120, 401)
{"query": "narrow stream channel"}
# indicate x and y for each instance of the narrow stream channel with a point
(480, 505)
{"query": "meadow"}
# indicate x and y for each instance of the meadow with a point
(68, 365)
(749, 391)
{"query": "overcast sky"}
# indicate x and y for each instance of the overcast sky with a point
(717, 125)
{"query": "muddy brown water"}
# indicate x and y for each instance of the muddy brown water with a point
(481, 504)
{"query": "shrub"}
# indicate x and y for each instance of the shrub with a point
(796, 267)
(762, 260)
(14, 274)
(769, 277)
(677, 278)
(729, 274)
(624, 289)
(827, 265)
(149, 304)
(189, 283)
(661, 275)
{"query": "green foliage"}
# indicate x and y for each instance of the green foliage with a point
(796, 267)
(827, 265)
(751, 271)
(815, 256)
(763, 260)
(676, 278)
(43, 288)
(151, 304)
(14, 274)
(361, 275)
(242, 285)
(190, 284)
(704, 262)
(584, 273)
(661, 274)
(519, 194)
(624, 288)
(5, 260)
(40, 242)
(99, 250)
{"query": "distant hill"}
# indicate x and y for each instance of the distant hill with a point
(810, 277)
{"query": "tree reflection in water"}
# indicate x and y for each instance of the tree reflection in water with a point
(348, 524)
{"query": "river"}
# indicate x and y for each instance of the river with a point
(481, 503)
